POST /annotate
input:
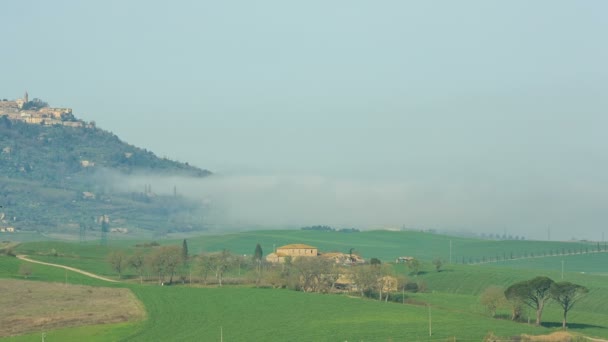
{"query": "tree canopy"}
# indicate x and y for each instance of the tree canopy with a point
(566, 294)
(534, 293)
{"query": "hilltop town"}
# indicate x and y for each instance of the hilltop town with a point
(37, 111)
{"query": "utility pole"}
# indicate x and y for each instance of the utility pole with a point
(562, 269)
(430, 325)
(450, 252)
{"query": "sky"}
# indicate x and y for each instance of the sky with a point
(452, 115)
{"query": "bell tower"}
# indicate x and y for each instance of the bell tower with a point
(25, 97)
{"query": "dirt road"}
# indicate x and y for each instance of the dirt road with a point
(88, 274)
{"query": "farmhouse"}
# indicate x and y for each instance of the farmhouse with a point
(294, 250)
(403, 259)
(119, 230)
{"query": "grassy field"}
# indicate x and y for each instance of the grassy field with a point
(33, 306)
(245, 314)
(385, 245)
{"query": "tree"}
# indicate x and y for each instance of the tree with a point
(165, 260)
(25, 269)
(493, 298)
(437, 262)
(185, 251)
(257, 258)
(137, 262)
(173, 259)
(534, 293)
(566, 294)
(35, 104)
(314, 274)
(386, 284)
(414, 266)
(204, 266)
(118, 261)
(258, 253)
(221, 262)
(371, 278)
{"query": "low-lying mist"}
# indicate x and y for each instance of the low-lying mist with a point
(282, 200)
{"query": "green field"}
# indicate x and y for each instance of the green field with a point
(184, 313)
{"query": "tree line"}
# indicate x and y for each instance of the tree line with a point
(597, 248)
(168, 264)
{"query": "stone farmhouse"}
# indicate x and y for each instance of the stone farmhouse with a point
(17, 110)
(299, 250)
(293, 251)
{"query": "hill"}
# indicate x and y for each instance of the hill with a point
(55, 178)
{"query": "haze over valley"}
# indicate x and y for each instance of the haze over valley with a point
(448, 117)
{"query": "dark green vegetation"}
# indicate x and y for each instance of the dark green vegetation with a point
(59, 179)
(245, 313)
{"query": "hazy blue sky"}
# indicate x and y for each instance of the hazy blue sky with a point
(456, 114)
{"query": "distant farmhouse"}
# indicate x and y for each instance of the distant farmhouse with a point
(299, 250)
(38, 112)
(404, 259)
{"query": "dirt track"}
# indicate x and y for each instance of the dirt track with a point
(88, 274)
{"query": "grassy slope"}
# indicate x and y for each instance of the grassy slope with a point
(243, 313)
(385, 245)
(246, 314)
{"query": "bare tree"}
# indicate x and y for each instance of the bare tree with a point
(386, 284)
(137, 262)
(221, 262)
(165, 260)
(204, 265)
(155, 263)
(25, 269)
(173, 259)
(118, 261)
(369, 279)
(493, 298)
(315, 274)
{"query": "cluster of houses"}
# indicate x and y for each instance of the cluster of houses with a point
(4, 229)
(18, 110)
(305, 251)
(299, 250)
(344, 282)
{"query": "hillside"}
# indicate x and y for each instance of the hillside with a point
(52, 178)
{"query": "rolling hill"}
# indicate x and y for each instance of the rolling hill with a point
(55, 179)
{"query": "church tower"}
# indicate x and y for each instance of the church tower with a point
(25, 98)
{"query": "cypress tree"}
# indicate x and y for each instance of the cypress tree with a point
(257, 255)
(185, 251)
